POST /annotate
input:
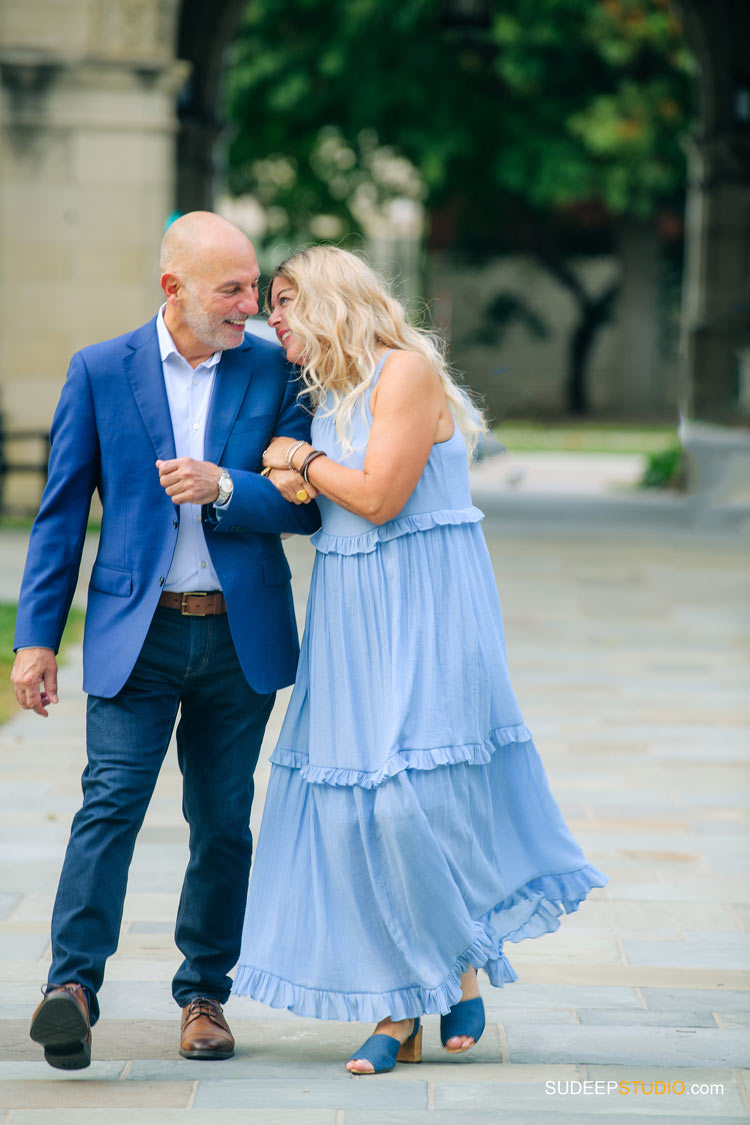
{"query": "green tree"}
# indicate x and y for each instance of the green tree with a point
(533, 134)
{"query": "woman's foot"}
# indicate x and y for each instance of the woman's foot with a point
(469, 991)
(400, 1030)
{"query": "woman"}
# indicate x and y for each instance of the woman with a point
(408, 829)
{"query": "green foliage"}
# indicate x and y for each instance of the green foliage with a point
(583, 437)
(560, 102)
(664, 469)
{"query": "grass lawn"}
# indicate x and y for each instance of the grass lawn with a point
(585, 437)
(73, 632)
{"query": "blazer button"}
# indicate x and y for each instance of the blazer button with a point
(175, 523)
(161, 581)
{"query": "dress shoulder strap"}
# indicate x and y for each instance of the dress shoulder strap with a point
(380, 363)
(374, 381)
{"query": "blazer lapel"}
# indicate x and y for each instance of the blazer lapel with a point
(232, 378)
(144, 370)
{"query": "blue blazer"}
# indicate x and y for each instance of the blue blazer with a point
(110, 426)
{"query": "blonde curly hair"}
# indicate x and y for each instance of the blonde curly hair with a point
(343, 315)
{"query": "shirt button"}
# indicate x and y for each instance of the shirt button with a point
(203, 564)
(195, 425)
(197, 519)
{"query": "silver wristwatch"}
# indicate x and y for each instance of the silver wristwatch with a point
(226, 485)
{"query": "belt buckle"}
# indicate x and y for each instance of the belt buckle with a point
(183, 604)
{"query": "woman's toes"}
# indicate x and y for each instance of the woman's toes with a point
(459, 1043)
(360, 1066)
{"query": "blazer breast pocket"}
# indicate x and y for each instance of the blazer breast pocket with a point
(111, 580)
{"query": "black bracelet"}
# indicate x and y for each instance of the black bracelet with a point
(308, 461)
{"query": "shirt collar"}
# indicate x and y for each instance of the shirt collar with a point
(167, 344)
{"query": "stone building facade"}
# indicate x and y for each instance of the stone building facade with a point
(107, 124)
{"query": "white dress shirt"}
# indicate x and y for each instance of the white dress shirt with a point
(189, 393)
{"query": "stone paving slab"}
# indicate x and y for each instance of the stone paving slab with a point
(636, 1046)
(330, 1117)
(293, 1094)
(731, 951)
(602, 1017)
(94, 1094)
(167, 1116)
(522, 1116)
(535, 1101)
(720, 999)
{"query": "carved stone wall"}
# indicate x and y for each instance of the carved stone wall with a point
(87, 142)
(96, 97)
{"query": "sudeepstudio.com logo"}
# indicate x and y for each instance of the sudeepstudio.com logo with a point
(575, 1087)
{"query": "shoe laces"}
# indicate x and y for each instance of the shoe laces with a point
(203, 1006)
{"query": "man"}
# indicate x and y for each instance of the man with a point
(189, 609)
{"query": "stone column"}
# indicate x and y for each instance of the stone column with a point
(715, 429)
(87, 139)
(717, 270)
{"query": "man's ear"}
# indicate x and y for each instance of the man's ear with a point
(170, 285)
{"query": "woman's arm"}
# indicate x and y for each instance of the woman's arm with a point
(406, 407)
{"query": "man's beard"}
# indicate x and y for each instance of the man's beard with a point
(210, 329)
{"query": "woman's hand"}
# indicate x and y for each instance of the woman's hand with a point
(292, 486)
(275, 455)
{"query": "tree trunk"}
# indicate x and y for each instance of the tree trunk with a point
(594, 313)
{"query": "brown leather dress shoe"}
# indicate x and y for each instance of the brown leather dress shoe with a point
(61, 1024)
(205, 1032)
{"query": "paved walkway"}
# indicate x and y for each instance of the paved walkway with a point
(627, 634)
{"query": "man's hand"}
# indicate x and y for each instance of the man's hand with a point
(186, 481)
(34, 679)
(291, 486)
(274, 455)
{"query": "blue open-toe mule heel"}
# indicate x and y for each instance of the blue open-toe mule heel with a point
(383, 1051)
(465, 1018)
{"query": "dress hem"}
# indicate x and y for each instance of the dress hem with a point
(541, 901)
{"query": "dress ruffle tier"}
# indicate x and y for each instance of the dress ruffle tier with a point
(368, 541)
(560, 893)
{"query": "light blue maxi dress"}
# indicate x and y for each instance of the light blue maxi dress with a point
(409, 829)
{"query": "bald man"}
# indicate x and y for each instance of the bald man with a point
(189, 612)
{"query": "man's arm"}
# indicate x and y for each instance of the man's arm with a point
(256, 503)
(56, 542)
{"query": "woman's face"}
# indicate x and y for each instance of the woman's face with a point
(283, 293)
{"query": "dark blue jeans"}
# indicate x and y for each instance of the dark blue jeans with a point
(187, 664)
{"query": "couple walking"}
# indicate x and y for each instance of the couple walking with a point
(408, 830)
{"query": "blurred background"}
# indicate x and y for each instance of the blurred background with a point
(562, 187)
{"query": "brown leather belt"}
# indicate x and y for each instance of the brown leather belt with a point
(193, 603)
